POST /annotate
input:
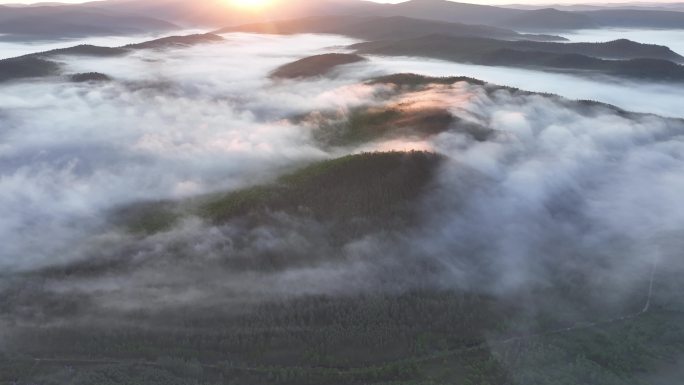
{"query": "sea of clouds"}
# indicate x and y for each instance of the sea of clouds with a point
(559, 186)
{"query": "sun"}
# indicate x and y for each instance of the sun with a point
(251, 4)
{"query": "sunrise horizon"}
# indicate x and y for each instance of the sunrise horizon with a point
(264, 3)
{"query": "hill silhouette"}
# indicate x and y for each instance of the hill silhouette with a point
(26, 67)
(315, 65)
(382, 28)
(57, 21)
(43, 64)
(569, 56)
(372, 187)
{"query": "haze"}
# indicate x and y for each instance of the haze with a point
(335, 193)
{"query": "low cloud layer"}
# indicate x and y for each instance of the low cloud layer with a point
(657, 98)
(668, 37)
(173, 123)
(560, 191)
(556, 186)
(10, 47)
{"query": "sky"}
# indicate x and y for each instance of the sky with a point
(399, 1)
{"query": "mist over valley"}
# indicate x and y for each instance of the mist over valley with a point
(351, 193)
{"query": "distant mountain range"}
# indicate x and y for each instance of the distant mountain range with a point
(315, 65)
(42, 64)
(648, 6)
(382, 28)
(536, 19)
(46, 22)
(134, 16)
(639, 61)
(218, 12)
(400, 36)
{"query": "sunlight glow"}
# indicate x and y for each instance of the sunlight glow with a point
(251, 4)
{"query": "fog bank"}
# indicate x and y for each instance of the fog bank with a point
(656, 98)
(13, 48)
(173, 123)
(560, 190)
(673, 38)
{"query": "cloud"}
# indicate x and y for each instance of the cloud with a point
(172, 124)
(657, 98)
(674, 39)
(560, 192)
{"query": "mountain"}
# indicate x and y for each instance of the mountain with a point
(550, 19)
(382, 28)
(219, 13)
(315, 65)
(467, 46)
(73, 21)
(26, 67)
(176, 41)
(130, 16)
(452, 12)
(89, 77)
(83, 50)
(637, 18)
(42, 64)
(354, 214)
(374, 188)
(616, 49)
(222, 13)
(570, 56)
(536, 19)
(644, 6)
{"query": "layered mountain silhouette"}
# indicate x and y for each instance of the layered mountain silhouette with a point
(639, 60)
(43, 64)
(467, 46)
(219, 13)
(134, 16)
(47, 22)
(382, 28)
(315, 65)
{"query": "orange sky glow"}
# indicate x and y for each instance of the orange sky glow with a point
(261, 3)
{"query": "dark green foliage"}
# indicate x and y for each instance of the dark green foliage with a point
(85, 50)
(366, 124)
(415, 80)
(421, 337)
(173, 41)
(360, 125)
(315, 65)
(26, 67)
(614, 354)
(315, 340)
(148, 217)
(89, 77)
(372, 185)
(417, 336)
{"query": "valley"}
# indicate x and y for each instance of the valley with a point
(340, 192)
